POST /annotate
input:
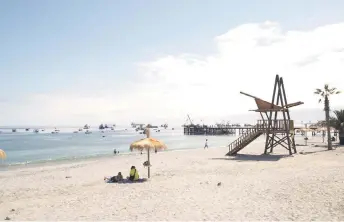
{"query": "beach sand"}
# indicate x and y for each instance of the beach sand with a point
(183, 186)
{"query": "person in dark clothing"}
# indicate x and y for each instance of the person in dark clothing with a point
(115, 179)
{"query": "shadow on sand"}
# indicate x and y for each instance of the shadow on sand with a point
(316, 151)
(251, 157)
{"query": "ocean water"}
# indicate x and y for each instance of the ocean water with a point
(24, 147)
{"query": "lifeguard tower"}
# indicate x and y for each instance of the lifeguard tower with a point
(278, 131)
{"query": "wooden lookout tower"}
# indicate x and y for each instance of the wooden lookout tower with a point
(275, 122)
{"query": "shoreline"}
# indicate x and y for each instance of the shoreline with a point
(67, 161)
(38, 148)
(316, 142)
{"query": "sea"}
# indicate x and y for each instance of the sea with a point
(28, 147)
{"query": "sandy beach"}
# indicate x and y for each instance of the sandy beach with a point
(184, 186)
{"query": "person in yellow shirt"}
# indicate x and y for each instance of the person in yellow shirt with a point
(133, 175)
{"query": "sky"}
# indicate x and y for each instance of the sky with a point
(84, 61)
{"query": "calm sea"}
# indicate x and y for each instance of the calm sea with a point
(24, 147)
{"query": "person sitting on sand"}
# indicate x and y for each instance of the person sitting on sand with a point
(133, 175)
(115, 179)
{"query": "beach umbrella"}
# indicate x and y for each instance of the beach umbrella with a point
(147, 144)
(2, 155)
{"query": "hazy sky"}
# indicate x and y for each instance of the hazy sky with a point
(82, 61)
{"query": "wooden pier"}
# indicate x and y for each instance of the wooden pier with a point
(216, 130)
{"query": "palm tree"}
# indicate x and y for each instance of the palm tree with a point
(324, 96)
(337, 122)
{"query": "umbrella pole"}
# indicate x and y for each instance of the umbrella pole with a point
(148, 164)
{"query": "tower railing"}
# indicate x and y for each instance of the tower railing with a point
(279, 124)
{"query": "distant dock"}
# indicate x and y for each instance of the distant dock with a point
(216, 130)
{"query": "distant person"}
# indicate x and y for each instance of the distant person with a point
(206, 144)
(133, 175)
(323, 135)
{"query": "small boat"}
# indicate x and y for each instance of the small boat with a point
(164, 125)
(102, 126)
(151, 126)
(88, 132)
(14, 130)
(55, 131)
(136, 125)
(138, 129)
